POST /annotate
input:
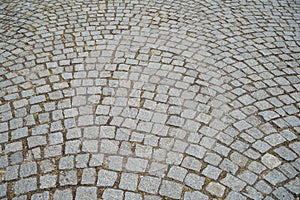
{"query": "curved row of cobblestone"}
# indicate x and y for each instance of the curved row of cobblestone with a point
(149, 100)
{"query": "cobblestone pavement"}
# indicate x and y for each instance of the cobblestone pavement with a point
(149, 99)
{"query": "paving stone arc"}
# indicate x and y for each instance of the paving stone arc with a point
(149, 99)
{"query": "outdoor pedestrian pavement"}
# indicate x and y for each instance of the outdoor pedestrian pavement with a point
(149, 99)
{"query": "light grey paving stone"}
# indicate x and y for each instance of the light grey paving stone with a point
(293, 186)
(91, 132)
(256, 167)
(136, 164)
(159, 154)
(239, 159)
(224, 138)
(96, 160)
(3, 190)
(171, 189)
(112, 194)
(292, 121)
(295, 147)
(55, 138)
(106, 178)
(133, 196)
(274, 177)
(174, 158)
(191, 126)
(22, 197)
(108, 132)
(73, 133)
(248, 177)
(287, 134)
(143, 151)
(229, 166)
(194, 181)
(56, 126)
(37, 99)
(41, 196)
(216, 189)
(68, 177)
(66, 162)
(3, 161)
(88, 176)
(128, 181)
(175, 121)
(102, 110)
(282, 193)
(63, 194)
(208, 131)
(296, 164)
(221, 149)
(252, 154)
(12, 172)
(242, 125)
(78, 101)
(233, 182)
(211, 172)
(149, 184)
(160, 129)
(253, 193)
(285, 153)
(158, 169)
(207, 142)
(90, 146)
(235, 196)
(195, 196)
(35, 141)
(3, 127)
(16, 158)
(125, 149)
(86, 193)
(177, 173)
(12, 147)
(180, 146)
(47, 166)
(51, 65)
(25, 185)
(261, 146)
(20, 133)
(269, 115)
(204, 118)
(263, 187)
(288, 170)
(212, 158)
(239, 146)
(82, 160)
(4, 137)
(150, 197)
(270, 161)
(151, 140)
(195, 150)
(48, 181)
(85, 120)
(191, 163)
(109, 146)
(274, 139)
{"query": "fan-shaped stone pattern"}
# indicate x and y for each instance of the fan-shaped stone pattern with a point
(149, 99)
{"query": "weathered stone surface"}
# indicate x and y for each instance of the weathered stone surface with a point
(149, 99)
